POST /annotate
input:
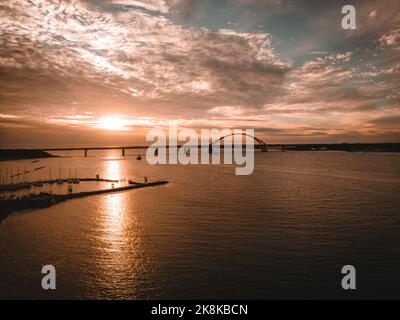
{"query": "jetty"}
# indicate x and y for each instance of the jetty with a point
(28, 185)
(45, 200)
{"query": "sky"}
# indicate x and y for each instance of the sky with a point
(102, 73)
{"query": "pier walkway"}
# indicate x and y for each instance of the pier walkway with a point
(45, 200)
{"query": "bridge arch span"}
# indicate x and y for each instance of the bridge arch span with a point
(262, 144)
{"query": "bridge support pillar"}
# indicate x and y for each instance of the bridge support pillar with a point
(123, 152)
(85, 153)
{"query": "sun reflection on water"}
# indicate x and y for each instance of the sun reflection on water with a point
(115, 214)
(118, 261)
(114, 208)
(113, 170)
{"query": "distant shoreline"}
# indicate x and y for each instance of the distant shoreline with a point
(348, 147)
(21, 154)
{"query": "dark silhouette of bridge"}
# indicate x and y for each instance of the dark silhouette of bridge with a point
(86, 149)
(349, 147)
(262, 145)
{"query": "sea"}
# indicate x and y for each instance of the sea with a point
(283, 232)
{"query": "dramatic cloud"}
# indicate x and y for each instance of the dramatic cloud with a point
(152, 5)
(70, 63)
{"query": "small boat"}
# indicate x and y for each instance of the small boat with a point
(38, 184)
(139, 157)
(75, 180)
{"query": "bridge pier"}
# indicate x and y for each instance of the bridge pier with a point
(123, 152)
(85, 152)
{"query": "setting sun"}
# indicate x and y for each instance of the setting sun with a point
(113, 123)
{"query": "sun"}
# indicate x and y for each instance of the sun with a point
(113, 123)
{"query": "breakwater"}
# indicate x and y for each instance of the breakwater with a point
(45, 200)
(27, 185)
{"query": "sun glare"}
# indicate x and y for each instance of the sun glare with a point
(113, 123)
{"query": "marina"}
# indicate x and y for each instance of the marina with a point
(47, 199)
(40, 183)
(30, 189)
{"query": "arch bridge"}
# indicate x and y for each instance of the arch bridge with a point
(261, 144)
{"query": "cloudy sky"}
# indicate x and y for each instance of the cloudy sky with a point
(102, 72)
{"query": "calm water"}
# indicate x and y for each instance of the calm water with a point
(283, 232)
